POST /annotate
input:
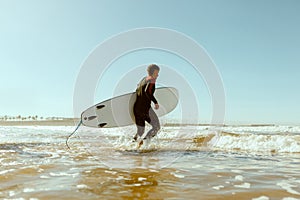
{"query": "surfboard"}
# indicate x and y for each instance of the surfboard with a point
(118, 111)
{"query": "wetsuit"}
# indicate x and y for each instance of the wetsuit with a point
(142, 108)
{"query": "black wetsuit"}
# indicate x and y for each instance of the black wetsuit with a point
(142, 108)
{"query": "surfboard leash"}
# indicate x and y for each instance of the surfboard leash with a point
(79, 124)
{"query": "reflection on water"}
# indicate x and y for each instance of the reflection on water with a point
(123, 184)
(35, 163)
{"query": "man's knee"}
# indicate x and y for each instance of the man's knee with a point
(158, 127)
(155, 129)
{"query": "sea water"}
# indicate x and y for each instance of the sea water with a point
(181, 162)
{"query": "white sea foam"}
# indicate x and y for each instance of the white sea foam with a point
(262, 129)
(286, 185)
(56, 164)
(178, 175)
(281, 139)
(6, 171)
(244, 185)
(63, 174)
(142, 179)
(82, 186)
(218, 187)
(27, 190)
(110, 172)
(261, 198)
(239, 178)
(44, 177)
(257, 143)
(290, 198)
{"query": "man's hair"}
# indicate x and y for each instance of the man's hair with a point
(151, 68)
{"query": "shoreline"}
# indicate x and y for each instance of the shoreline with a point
(62, 122)
(74, 122)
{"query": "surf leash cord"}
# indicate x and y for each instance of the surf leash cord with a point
(79, 124)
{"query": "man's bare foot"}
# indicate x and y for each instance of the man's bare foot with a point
(134, 138)
(140, 144)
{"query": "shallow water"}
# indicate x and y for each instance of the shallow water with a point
(187, 162)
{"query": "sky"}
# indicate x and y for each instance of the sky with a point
(254, 45)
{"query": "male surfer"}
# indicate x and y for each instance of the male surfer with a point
(142, 107)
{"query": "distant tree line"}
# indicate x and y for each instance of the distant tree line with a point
(27, 118)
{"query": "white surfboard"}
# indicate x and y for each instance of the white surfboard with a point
(118, 111)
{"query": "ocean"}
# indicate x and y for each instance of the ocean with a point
(182, 162)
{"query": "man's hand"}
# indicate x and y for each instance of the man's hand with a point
(156, 106)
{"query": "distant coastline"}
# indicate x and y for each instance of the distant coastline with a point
(41, 122)
(59, 121)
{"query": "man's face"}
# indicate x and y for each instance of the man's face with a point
(155, 74)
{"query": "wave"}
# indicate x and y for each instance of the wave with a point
(267, 139)
(253, 142)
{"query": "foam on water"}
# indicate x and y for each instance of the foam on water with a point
(269, 139)
(35, 163)
(274, 139)
(262, 129)
(288, 185)
(287, 143)
(261, 198)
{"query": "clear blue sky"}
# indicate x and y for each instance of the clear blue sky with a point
(255, 45)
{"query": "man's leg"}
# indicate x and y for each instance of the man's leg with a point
(140, 131)
(154, 121)
(140, 125)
